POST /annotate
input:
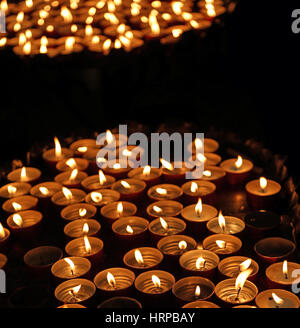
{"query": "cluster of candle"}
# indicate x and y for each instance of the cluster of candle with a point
(155, 227)
(54, 27)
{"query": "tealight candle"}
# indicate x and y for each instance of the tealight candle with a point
(199, 262)
(226, 224)
(40, 259)
(261, 223)
(164, 191)
(75, 291)
(25, 174)
(193, 190)
(222, 244)
(78, 211)
(14, 189)
(68, 197)
(81, 164)
(143, 258)
(71, 179)
(279, 275)
(102, 197)
(155, 287)
(166, 226)
(120, 302)
(200, 305)
(209, 159)
(52, 156)
(112, 140)
(164, 208)
(130, 189)
(274, 249)
(214, 174)
(197, 215)
(277, 299)
(238, 170)
(3, 261)
(262, 193)
(82, 227)
(45, 190)
(116, 210)
(150, 175)
(193, 288)
(4, 238)
(70, 268)
(25, 224)
(236, 291)
(114, 282)
(95, 182)
(81, 146)
(210, 145)
(21, 203)
(232, 266)
(88, 247)
(117, 168)
(173, 174)
(131, 230)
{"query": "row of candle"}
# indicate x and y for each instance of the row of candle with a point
(52, 28)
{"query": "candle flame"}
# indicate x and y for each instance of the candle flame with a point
(67, 193)
(176, 7)
(20, 17)
(157, 209)
(201, 158)
(221, 221)
(245, 265)
(71, 263)
(138, 256)
(197, 291)
(194, 187)
(239, 162)
(200, 262)
(85, 229)
(89, 30)
(127, 152)
(176, 32)
(163, 223)
(87, 244)
(207, 173)
(17, 219)
(155, 280)
(71, 163)
(44, 191)
(66, 14)
(92, 11)
(106, 45)
(23, 174)
(241, 279)
(16, 206)
(221, 243)
(76, 289)
(161, 191)
(109, 136)
(125, 184)
(82, 149)
(285, 268)
(58, 152)
(102, 178)
(11, 189)
(129, 229)
(182, 244)
(27, 48)
(146, 170)
(73, 175)
(2, 232)
(74, 28)
(198, 207)
(82, 212)
(96, 197)
(121, 28)
(263, 183)
(166, 164)
(69, 44)
(111, 280)
(120, 208)
(3, 5)
(29, 3)
(277, 299)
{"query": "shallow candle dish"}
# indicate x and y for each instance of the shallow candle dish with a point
(164, 208)
(174, 226)
(214, 174)
(132, 192)
(232, 244)
(210, 159)
(51, 159)
(110, 212)
(51, 189)
(120, 171)
(81, 164)
(152, 178)
(60, 200)
(93, 182)
(64, 292)
(64, 179)
(205, 190)
(210, 146)
(78, 211)
(274, 249)
(185, 290)
(101, 197)
(23, 203)
(287, 299)
(32, 175)
(227, 293)
(233, 225)
(14, 189)
(189, 265)
(75, 229)
(81, 146)
(237, 175)
(164, 192)
(121, 285)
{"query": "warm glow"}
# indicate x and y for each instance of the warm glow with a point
(71, 163)
(176, 7)
(245, 265)
(76, 289)
(120, 208)
(239, 162)
(126, 152)
(23, 174)
(73, 174)
(109, 137)
(111, 280)
(88, 30)
(129, 229)
(146, 170)
(285, 268)
(2, 232)
(22, 39)
(187, 16)
(182, 244)
(156, 4)
(198, 143)
(28, 34)
(161, 191)
(221, 221)
(197, 291)
(29, 3)
(70, 262)
(67, 193)
(157, 209)
(85, 229)
(201, 158)
(17, 27)
(82, 212)
(11, 189)
(125, 41)
(111, 7)
(66, 14)
(82, 149)
(210, 10)
(102, 178)
(277, 299)
(166, 16)
(117, 166)
(154, 26)
(57, 148)
(155, 280)
(96, 197)
(87, 245)
(20, 17)
(121, 28)
(198, 207)
(166, 164)
(16, 206)
(17, 219)
(241, 278)
(200, 263)
(263, 183)
(92, 11)
(194, 187)
(3, 5)
(125, 184)
(69, 44)
(44, 191)
(207, 173)
(194, 23)
(163, 223)
(176, 32)
(27, 48)
(221, 243)
(138, 256)
(74, 28)
(3, 42)
(100, 4)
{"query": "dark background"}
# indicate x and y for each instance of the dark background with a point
(241, 77)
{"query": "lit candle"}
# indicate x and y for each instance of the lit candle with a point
(214, 174)
(68, 197)
(117, 168)
(277, 298)
(262, 193)
(222, 245)
(99, 181)
(193, 190)
(71, 179)
(14, 189)
(4, 238)
(82, 227)
(237, 170)
(164, 208)
(226, 224)
(21, 203)
(116, 210)
(130, 189)
(210, 145)
(164, 191)
(79, 211)
(173, 173)
(81, 146)
(102, 197)
(150, 175)
(72, 163)
(25, 174)
(52, 156)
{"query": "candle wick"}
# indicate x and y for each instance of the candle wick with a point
(72, 272)
(238, 294)
(203, 266)
(286, 276)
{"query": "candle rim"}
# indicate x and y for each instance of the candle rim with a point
(113, 270)
(73, 259)
(126, 218)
